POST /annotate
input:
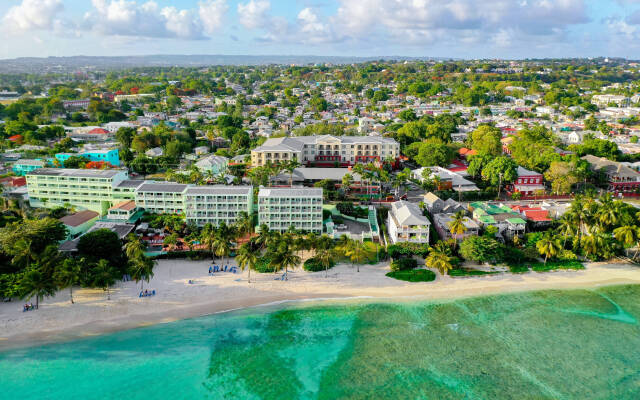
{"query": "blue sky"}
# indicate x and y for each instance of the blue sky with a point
(438, 28)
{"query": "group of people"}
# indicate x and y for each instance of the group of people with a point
(147, 293)
(28, 307)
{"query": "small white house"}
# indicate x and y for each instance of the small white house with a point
(407, 224)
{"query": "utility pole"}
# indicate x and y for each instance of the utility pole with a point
(499, 185)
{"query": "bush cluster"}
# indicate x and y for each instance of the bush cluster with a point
(404, 264)
(313, 265)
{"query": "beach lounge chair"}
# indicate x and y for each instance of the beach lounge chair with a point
(216, 268)
(225, 268)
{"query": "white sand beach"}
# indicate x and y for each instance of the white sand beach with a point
(58, 319)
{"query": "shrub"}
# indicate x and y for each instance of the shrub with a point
(347, 208)
(403, 249)
(191, 255)
(263, 266)
(403, 264)
(417, 275)
(481, 249)
(470, 272)
(554, 265)
(313, 265)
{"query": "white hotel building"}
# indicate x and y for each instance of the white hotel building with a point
(281, 208)
(326, 151)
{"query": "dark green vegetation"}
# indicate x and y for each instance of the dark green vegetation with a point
(414, 275)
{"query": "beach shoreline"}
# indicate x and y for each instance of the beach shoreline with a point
(57, 320)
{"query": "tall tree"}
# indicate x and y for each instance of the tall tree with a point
(67, 275)
(247, 258)
(35, 282)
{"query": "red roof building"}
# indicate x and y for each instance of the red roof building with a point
(465, 153)
(15, 138)
(99, 131)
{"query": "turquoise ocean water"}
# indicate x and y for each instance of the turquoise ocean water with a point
(581, 344)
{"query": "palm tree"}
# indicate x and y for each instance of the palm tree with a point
(290, 166)
(627, 235)
(171, 241)
(347, 181)
(142, 270)
(134, 248)
(285, 258)
(22, 254)
(244, 223)
(325, 258)
(67, 274)
(357, 252)
(222, 242)
(35, 282)
(208, 238)
(264, 235)
(456, 225)
(566, 228)
(440, 261)
(247, 258)
(103, 276)
(548, 246)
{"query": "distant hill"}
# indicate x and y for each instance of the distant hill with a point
(75, 63)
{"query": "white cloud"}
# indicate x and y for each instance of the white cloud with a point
(254, 14)
(128, 18)
(429, 19)
(33, 15)
(212, 13)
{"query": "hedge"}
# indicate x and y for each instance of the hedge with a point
(408, 249)
(416, 275)
(263, 266)
(403, 264)
(191, 255)
(313, 265)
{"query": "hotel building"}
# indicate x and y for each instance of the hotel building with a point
(323, 151)
(282, 208)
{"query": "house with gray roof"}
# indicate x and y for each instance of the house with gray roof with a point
(406, 223)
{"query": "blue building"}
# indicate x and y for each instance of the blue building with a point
(111, 156)
(23, 167)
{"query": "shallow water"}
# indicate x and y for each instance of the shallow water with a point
(580, 344)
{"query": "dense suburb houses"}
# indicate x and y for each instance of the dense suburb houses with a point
(449, 158)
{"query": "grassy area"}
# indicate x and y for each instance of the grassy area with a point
(555, 265)
(550, 266)
(470, 272)
(415, 275)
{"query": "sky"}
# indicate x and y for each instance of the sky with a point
(511, 29)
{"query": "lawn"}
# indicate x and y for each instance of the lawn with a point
(471, 272)
(414, 275)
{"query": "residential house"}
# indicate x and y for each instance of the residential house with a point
(213, 164)
(442, 225)
(508, 222)
(528, 182)
(79, 223)
(620, 177)
(155, 152)
(406, 223)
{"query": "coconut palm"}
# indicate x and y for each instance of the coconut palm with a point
(347, 181)
(290, 166)
(67, 274)
(264, 235)
(208, 238)
(357, 252)
(456, 225)
(134, 248)
(222, 245)
(628, 236)
(285, 258)
(244, 223)
(35, 282)
(325, 257)
(142, 270)
(440, 261)
(548, 246)
(22, 254)
(247, 258)
(103, 276)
